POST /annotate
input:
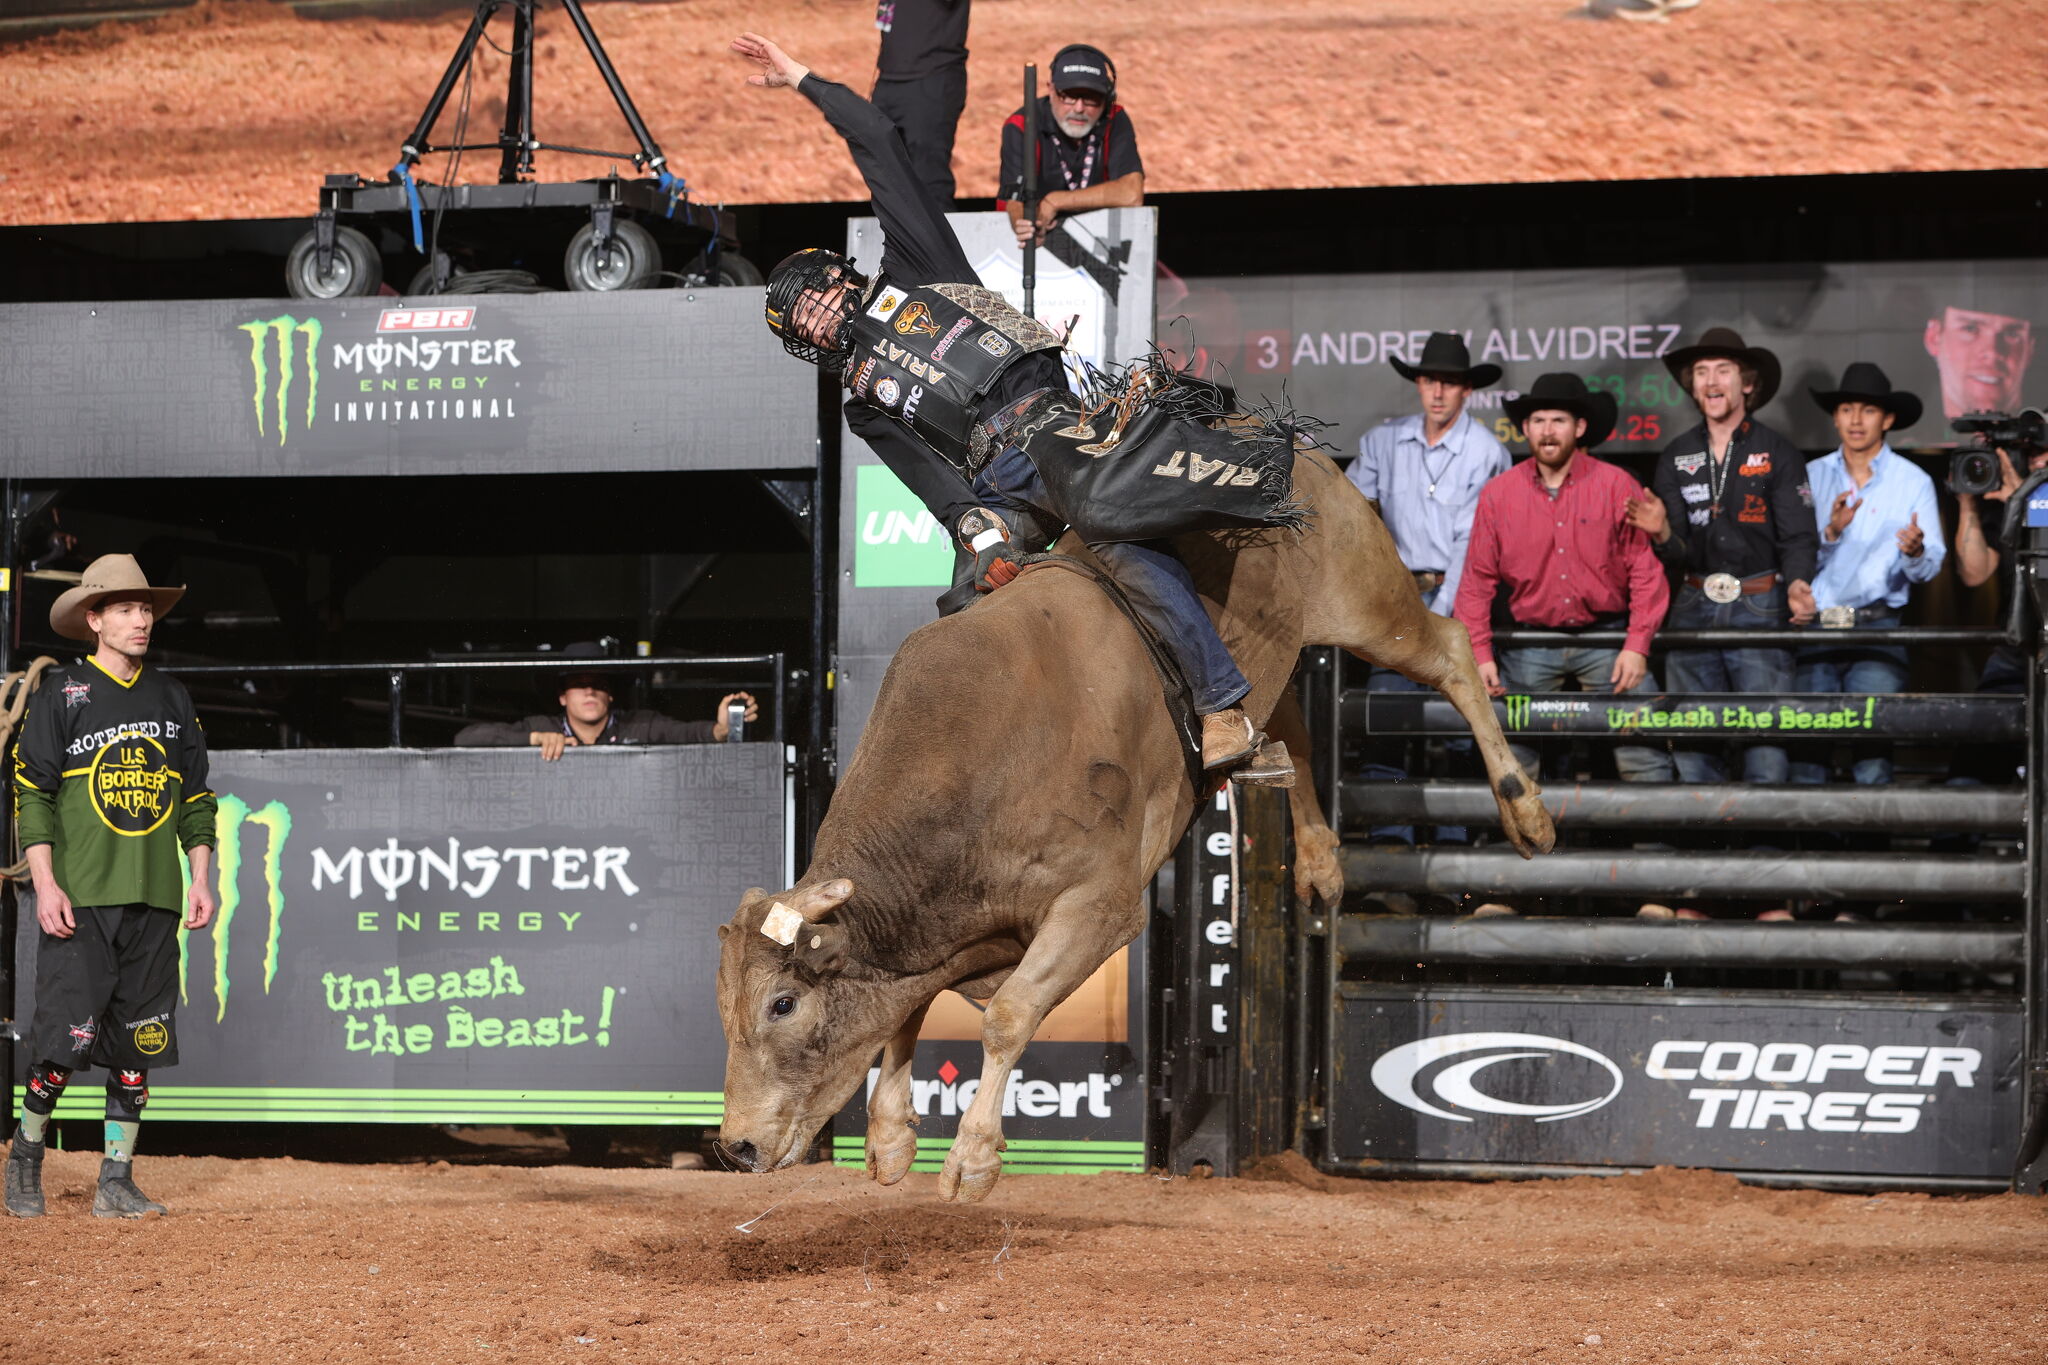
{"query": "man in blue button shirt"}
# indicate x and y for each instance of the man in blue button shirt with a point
(1424, 474)
(1880, 533)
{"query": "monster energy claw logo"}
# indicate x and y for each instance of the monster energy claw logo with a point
(285, 331)
(275, 819)
(1518, 711)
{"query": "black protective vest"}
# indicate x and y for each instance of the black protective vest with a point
(928, 355)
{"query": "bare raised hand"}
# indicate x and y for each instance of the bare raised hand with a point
(778, 68)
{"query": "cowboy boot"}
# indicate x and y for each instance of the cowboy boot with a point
(1228, 738)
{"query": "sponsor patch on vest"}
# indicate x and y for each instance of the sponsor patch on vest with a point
(916, 320)
(886, 303)
(1694, 492)
(887, 391)
(1693, 463)
(1757, 463)
(995, 343)
(953, 334)
(909, 360)
(861, 377)
(910, 402)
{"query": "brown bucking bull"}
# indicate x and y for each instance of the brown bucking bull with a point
(1018, 784)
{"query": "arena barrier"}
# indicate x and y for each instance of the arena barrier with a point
(465, 935)
(1899, 1053)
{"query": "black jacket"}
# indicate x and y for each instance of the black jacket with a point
(918, 247)
(1763, 522)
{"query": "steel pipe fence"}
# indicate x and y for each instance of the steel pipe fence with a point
(1732, 805)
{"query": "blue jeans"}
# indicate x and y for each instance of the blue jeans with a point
(1591, 666)
(1768, 671)
(1388, 765)
(1159, 586)
(1841, 666)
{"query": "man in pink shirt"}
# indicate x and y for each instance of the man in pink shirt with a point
(1554, 530)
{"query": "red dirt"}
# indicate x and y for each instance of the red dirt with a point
(279, 1260)
(236, 109)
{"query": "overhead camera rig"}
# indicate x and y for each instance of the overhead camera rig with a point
(617, 248)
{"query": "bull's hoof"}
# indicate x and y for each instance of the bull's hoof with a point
(1524, 817)
(971, 1170)
(1317, 873)
(890, 1155)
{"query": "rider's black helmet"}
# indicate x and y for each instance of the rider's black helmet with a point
(814, 271)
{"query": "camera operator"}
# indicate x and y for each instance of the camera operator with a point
(1880, 534)
(1978, 560)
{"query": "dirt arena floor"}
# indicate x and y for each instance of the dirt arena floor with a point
(276, 1260)
(237, 108)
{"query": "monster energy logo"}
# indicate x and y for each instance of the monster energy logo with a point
(234, 813)
(1518, 711)
(285, 331)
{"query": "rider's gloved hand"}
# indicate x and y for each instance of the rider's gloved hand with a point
(995, 566)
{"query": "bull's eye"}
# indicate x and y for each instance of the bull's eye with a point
(781, 1005)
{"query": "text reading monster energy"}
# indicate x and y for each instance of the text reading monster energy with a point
(399, 930)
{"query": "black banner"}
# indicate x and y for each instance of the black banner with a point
(1812, 1084)
(496, 384)
(1962, 717)
(465, 936)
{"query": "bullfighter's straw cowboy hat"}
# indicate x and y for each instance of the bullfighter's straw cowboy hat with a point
(103, 578)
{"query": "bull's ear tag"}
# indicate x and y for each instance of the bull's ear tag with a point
(782, 924)
(817, 942)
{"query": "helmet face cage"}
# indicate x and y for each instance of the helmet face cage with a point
(795, 299)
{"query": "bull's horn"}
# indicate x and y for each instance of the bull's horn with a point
(816, 902)
(781, 924)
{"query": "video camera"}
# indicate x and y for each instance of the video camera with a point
(2021, 435)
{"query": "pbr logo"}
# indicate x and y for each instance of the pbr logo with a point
(76, 694)
(426, 319)
(275, 358)
(1405, 1073)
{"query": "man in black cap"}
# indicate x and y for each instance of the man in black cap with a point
(921, 82)
(1424, 473)
(1087, 150)
(587, 717)
(1734, 515)
(1880, 533)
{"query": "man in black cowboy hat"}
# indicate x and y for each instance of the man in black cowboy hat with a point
(1734, 515)
(1087, 150)
(1424, 473)
(1554, 530)
(1880, 533)
(949, 382)
(587, 716)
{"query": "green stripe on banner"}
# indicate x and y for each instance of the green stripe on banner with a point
(1035, 1156)
(286, 1104)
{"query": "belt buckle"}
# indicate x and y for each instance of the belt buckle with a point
(1722, 587)
(1837, 618)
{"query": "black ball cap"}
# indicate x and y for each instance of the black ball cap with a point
(1081, 67)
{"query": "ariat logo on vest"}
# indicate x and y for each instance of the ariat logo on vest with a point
(916, 320)
(1186, 464)
(896, 355)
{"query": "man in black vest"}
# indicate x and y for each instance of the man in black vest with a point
(947, 378)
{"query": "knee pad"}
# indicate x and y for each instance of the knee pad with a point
(46, 1082)
(127, 1092)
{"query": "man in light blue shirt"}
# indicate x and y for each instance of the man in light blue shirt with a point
(1880, 533)
(1424, 474)
(1425, 471)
